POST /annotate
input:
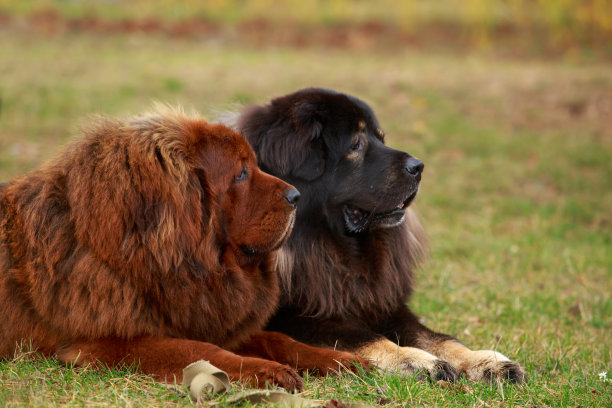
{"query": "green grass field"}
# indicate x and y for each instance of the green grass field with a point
(516, 194)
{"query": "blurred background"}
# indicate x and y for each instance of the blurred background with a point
(532, 64)
(508, 103)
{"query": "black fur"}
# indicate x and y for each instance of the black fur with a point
(345, 284)
(347, 269)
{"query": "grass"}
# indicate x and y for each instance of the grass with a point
(516, 196)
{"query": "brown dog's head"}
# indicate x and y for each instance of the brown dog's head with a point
(164, 189)
(257, 210)
(331, 146)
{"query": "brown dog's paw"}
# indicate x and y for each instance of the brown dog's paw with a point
(360, 364)
(288, 379)
(333, 361)
(277, 374)
(353, 362)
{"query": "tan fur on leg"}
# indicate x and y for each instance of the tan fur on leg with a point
(479, 365)
(389, 356)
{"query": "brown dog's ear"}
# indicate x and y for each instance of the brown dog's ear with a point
(288, 144)
(134, 198)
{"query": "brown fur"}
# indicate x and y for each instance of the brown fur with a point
(139, 244)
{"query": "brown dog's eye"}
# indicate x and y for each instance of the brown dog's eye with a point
(244, 174)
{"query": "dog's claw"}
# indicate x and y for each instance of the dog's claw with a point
(443, 371)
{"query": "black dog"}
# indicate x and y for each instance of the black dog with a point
(347, 269)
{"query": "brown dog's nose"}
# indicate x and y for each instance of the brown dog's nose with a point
(414, 166)
(292, 197)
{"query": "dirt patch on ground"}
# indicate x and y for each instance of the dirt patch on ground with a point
(506, 40)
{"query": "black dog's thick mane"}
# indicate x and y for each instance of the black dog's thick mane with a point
(351, 276)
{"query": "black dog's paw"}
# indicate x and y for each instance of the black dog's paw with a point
(508, 370)
(489, 365)
(408, 360)
(443, 371)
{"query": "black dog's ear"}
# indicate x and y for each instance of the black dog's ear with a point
(287, 142)
(309, 164)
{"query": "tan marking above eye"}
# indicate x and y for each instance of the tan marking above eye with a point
(358, 144)
(362, 125)
(380, 132)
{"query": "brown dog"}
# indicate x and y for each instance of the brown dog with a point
(150, 241)
(347, 269)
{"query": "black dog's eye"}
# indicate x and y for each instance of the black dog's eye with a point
(244, 174)
(357, 145)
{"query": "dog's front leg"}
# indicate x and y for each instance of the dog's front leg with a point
(357, 336)
(404, 327)
(165, 358)
(285, 350)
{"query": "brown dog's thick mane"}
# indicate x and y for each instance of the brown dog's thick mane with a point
(323, 283)
(82, 214)
(155, 166)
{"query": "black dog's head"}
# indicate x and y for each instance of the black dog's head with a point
(331, 147)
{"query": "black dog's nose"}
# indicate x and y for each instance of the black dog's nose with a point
(414, 166)
(292, 197)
